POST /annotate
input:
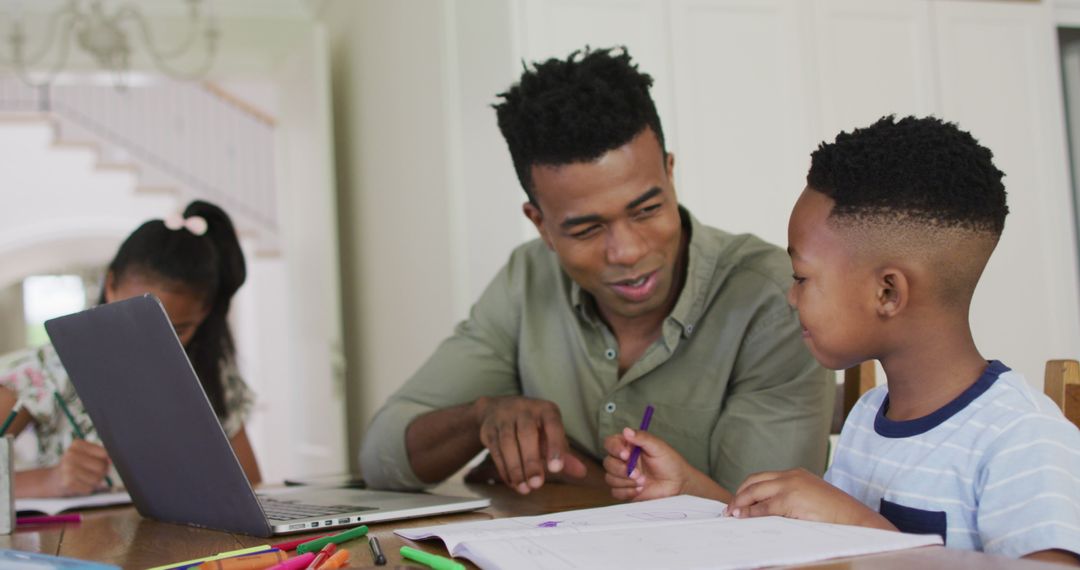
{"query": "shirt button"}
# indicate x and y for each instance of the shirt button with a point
(689, 329)
(609, 407)
(609, 354)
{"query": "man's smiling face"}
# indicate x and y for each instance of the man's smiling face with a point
(614, 225)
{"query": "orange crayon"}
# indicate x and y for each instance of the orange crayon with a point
(338, 560)
(322, 556)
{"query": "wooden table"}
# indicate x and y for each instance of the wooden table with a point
(120, 536)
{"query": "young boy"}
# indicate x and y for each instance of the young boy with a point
(887, 243)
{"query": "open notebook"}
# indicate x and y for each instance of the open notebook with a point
(59, 505)
(677, 532)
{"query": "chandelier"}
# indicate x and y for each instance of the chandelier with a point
(105, 36)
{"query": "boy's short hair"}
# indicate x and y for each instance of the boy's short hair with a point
(919, 170)
(575, 110)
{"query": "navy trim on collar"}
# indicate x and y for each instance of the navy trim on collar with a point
(896, 429)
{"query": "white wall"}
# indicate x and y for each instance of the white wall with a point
(59, 210)
(390, 125)
(746, 89)
(309, 394)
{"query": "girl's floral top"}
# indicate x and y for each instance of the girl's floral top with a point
(34, 375)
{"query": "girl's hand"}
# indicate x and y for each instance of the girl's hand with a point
(81, 470)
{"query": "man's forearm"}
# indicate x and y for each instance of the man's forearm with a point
(441, 442)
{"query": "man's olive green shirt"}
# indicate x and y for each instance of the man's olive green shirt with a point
(734, 388)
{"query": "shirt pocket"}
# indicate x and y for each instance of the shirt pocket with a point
(914, 521)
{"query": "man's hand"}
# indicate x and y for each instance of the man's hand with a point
(798, 494)
(525, 438)
(81, 470)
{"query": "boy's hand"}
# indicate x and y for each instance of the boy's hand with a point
(660, 470)
(797, 494)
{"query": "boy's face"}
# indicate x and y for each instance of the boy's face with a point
(833, 291)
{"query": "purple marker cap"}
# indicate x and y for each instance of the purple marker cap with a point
(637, 450)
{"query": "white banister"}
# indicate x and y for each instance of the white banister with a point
(193, 138)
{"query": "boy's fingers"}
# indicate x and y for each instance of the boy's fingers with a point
(757, 478)
(615, 445)
(616, 482)
(762, 491)
(765, 508)
(625, 494)
(649, 443)
(614, 465)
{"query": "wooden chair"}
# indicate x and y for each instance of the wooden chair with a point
(857, 381)
(1062, 384)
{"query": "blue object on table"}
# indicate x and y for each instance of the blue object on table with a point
(33, 561)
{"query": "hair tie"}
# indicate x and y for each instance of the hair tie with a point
(195, 224)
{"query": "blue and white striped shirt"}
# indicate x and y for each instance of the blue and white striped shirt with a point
(997, 469)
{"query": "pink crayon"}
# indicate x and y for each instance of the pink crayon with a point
(295, 563)
(54, 519)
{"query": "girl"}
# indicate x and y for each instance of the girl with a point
(194, 265)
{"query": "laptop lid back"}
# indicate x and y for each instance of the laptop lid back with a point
(136, 382)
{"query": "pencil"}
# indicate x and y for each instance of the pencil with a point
(10, 418)
(75, 426)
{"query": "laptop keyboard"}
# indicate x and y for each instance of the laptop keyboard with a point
(277, 509)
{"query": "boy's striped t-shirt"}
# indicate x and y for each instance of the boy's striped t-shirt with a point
(996, 470)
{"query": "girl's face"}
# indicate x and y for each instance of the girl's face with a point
(185, 307)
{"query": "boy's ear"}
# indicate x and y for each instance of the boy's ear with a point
(893, 291)
(535, 216)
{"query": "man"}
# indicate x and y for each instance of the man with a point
(625, 301)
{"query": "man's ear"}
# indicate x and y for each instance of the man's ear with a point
(892, 293)
(669, 165)
(532, 211)
(110, 286)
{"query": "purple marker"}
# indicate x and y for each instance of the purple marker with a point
(52, 519)
(637, 450)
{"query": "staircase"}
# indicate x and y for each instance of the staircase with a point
(190, 140)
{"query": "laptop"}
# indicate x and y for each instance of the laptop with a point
(151, 412)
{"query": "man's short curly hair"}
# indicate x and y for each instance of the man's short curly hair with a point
(921, 170)
(575, 110)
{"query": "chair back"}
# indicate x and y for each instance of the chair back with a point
(1062, 385)
(857, 381)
